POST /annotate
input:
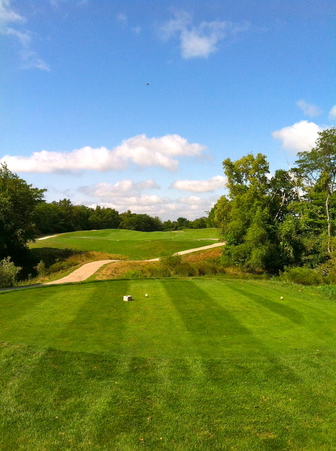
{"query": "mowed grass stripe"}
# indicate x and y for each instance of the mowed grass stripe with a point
(38, 315)
(316, 313)
(86, 401)
(93, 317)
(202, 317)
(298, 322)
(215, 330)
(101, 321)
(265, 395)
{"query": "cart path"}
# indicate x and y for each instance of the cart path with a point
(87, 270)
(82, 273)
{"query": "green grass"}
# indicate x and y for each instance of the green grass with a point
(134, 245)
(201, 364)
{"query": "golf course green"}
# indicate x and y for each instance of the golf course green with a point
(198, 364)
(131, 244)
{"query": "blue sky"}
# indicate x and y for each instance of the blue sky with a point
(135, 104)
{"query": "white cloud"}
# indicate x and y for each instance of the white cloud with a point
(31, 60)
(23, 37)
(129, 195)
(122, 18)
(308, 109)
(190, 207)
(332, 112)
(200, 186)
(7, 14)
(120, 189)
(28, 56)
(198, 41)
(57, 3)
(298, 137)
(139, 150)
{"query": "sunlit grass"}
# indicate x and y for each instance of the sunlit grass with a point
(199, 364)
(134, 245)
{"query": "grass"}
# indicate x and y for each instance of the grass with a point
(200, 262)
(132, 244)
(200, 364)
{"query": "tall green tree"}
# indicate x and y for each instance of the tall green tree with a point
(18, 201)
(246, 212)
(318, 171)
(253, 212)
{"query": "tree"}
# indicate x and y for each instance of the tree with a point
(245, 213)
(18, 201)
(318, 171)
(219, 213)
(183, 223)
(104, 218)
(139, 222)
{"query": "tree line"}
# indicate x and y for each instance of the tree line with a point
(287, 219)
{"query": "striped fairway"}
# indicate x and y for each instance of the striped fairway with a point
(199, 364)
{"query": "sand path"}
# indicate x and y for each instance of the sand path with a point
(87, 270)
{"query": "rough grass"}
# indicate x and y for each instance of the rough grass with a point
(131, 244)
(125, 269)
(200, 364)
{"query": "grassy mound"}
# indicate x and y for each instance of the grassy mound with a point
(199, 364)
(134, 245)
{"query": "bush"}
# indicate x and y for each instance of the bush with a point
(41, 269)
(329, 291)
(303, 276)
(170, 261)
(208, 268)
(134, 274)
(8, 273)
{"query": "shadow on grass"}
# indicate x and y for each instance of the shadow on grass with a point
(276, 307)
(52, 255)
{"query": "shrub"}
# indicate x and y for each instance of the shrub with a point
(303, 276)
(8, 273)
(41, 269)
(133, 274)
(329, 291)
(170, 261)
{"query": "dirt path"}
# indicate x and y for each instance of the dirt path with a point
(82, 273)
(86, 271)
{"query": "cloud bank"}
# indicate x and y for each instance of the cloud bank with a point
(299, 137)
(190, 207)
(200, 186)
(139, 150)
(137, 197)
(198, 41)
(120, 189)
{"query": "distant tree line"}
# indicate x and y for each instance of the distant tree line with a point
(287, 219)
(62, 216)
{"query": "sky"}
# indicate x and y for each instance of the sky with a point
(134, 104)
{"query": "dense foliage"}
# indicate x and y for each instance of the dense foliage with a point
(283, 220)
(18, 202)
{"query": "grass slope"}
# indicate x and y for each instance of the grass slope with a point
(132, 244)
(200, 364)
